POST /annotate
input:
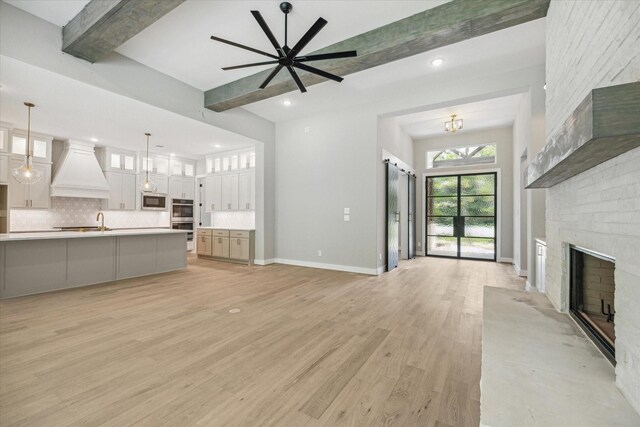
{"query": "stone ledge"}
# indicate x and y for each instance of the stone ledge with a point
(603, 126)
(538, 368)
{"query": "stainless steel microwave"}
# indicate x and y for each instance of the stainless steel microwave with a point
(154, 202)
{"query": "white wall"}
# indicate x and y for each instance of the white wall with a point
(590, 45)
(521, 142)
(502, 137)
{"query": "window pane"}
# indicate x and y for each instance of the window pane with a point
(477, 184)
(479, 227)
(209, 165)
(445, 246)
(162, 165)
(477, 248)
(128, 163)
(226, 165)
(39, 148)
(461, 156)
(188, 169)
(115, 161)
(442, 206)
(477, 206)
(216, 165)
(440, 226)
(252, 160)
(442, 186)
(19, 145)
(176, 168)
(234, 162)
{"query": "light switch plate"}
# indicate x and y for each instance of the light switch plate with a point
(346, 218)
(347, 211)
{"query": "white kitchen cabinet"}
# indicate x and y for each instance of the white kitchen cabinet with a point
(161, 182)
(181, 188)
(213, 193)
(541, 262)
(155, 164)
(40, 145)
(122, 191)
(230, 192)
(113, 159)
(213, 164)
(4, 169)
(182, 167)
(36, 195)
(246, 191)
(248, 160)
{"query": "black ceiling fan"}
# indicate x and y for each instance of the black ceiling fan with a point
(288, 57)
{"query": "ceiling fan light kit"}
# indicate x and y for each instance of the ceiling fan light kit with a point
(288, 57)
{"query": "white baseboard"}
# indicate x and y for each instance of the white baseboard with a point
(507, 260)
(380, 270)
(529, 288)
(521, 273)
(263, 261)
(336, 267)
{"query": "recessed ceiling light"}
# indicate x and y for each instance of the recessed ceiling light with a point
(172, 154)
(544, 87)
(287, 102)
(437, 62)
(217, 145)
(93, 139)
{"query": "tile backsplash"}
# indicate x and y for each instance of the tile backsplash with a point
(241, 220)
(69, 212)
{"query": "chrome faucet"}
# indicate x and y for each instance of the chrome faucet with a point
(102, 227)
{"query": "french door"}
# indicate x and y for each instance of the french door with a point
(461, 216)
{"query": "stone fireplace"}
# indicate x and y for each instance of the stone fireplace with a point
(592, 297)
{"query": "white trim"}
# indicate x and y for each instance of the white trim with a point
(264, 261)
(529, 288)
(498, 172)
(336, 267)
(380, 270)
(507, 260)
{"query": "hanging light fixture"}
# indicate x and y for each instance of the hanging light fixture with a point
(453, 125)
(147, 186)
(26, 174)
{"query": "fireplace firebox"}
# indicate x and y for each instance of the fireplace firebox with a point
(592, 291)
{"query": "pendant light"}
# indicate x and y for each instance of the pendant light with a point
(453, 125)
(147, 186)
(26, 174)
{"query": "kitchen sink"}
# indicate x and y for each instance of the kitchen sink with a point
(83, 229)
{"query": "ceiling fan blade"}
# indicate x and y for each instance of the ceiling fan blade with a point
(318, 72)
(297, 79)
(241, 46)
(255, 64)
(256, 14)
(271, 76)
(323, 56)
(311, 33)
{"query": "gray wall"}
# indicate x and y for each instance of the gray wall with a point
(502, 137)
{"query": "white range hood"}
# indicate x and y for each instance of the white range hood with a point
(78, 173)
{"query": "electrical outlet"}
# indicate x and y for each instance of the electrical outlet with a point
(346, 218)
(347, 211)
(306, 129)
(319, 253)
(419, 244)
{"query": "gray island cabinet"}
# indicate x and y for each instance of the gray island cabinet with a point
(33, 263)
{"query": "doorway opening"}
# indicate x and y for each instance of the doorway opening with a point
(461, 220)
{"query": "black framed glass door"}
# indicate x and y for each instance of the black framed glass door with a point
(461, 216)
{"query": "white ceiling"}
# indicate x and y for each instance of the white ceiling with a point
(179, 45)
(492, 113)
(95, 113)
(57, 12)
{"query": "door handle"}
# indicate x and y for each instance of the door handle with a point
(397, 216)
(461, 226)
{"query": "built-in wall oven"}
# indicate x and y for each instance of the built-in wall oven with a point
(182, 218)
(154, 202)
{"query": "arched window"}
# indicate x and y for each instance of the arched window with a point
(461, 156)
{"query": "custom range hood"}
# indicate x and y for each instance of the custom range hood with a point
(78, 173)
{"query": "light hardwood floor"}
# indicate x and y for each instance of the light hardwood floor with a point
(309, 347)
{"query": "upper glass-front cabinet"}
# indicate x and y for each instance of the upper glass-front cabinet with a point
(155, 164)
(183, 167)
(248, 160)
(231, 161)
(116, 159)
(40, 146)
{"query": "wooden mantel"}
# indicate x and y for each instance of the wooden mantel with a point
(605, 125)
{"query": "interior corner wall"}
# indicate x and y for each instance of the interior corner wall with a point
(325, 163)
(503, 138)
(393, 142)
(521, 142)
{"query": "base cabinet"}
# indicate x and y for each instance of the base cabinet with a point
(227, 245)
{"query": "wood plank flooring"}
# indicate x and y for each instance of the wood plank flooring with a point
(309, 347)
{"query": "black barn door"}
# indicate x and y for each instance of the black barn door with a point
(393, 216)
(412, 217)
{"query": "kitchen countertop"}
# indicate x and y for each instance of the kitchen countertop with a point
(227, 228)
(79, 234)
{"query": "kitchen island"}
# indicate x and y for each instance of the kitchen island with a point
(32, 263)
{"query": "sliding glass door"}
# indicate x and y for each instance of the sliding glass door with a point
(461, 216)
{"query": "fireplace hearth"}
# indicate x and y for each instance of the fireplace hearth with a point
(592, 296)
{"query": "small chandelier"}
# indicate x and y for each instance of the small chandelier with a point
(453, 125)
(26, 174)
(147, 186)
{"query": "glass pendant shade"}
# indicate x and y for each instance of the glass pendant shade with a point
(26, 174)
(147, 186)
